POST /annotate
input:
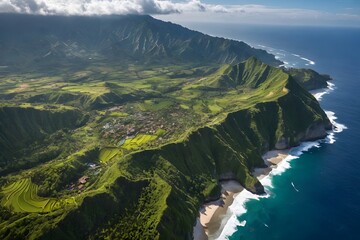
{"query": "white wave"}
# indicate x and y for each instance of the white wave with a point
(318, 94)
(337, 127)
(267, 183)
(308, 60)
(282, 166)
(294, 187)
(237, 209)
(330, 139)
(283, 55)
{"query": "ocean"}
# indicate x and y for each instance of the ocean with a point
(315, 193)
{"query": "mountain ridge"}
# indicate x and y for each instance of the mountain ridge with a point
(129, 37)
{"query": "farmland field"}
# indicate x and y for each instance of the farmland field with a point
(136, 142)
(106, 154)
(21, 196)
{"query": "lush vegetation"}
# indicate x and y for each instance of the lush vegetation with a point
(108, 148)
(21, 196)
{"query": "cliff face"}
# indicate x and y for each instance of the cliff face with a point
(181, 176)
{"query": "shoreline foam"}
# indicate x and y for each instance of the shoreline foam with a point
(212, 214)
(215, 216)
(278, 161)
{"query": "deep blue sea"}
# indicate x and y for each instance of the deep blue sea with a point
(318, 196)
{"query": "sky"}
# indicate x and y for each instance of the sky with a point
(328, 5)
(273, 12)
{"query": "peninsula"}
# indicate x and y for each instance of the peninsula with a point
(122, 127)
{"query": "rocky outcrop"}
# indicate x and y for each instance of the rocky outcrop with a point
(316, 131)
(308, 78)
(313, 132)
(282, 143)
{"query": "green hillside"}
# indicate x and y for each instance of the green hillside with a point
(131, 149)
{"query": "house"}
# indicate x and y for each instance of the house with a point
(83, 179)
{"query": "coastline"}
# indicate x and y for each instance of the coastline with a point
(211, 214)
(214, 215)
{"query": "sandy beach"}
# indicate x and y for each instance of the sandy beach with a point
(214, 215)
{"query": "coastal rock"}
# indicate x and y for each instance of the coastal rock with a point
(314, 132)
(282, 143)
(258, 188)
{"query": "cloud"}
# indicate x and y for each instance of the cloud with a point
(101, 7)
(107, 7)
(179, 11)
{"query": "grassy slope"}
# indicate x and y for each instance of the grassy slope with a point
(231, 116)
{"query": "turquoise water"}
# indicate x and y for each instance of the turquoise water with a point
(318, 196)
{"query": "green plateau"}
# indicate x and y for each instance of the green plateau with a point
(121, 127)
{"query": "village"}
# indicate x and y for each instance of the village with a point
(119, 129)
(83, 182)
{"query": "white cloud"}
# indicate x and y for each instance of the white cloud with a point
(100, 7)
(179, 11)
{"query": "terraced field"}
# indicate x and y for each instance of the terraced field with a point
(21, 196)
(109, 153)
(136, 142)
